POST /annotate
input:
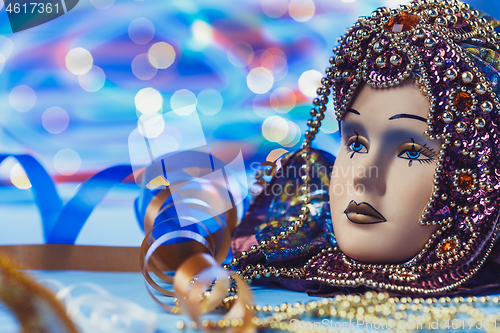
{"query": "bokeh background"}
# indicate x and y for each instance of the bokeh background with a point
(73, 89)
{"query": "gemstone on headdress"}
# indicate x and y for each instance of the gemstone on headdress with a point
(465, 181)
(402, 23)
(463, 101)
(448, 247)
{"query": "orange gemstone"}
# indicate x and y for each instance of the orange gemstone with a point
(463, 101)
(465, 181)
(449, 247)
(406, 275)
(402, 22)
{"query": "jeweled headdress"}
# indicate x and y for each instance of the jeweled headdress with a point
(452, 53)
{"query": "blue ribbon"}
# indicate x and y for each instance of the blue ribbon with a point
(62, 224)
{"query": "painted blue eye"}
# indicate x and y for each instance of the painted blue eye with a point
(412, 154)
(356, 146)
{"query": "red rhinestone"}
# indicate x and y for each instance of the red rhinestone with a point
(463, 101)
(402, 22)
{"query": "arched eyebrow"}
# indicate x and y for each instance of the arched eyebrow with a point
(409, 116)
(353, 111)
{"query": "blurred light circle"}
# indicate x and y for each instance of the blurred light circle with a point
(274, 8)
(142, 68)
(209, 102)
(22, 98)
(18, 177)
(93, 80)
(240, 54)
(301, 10)
(273, 59)
(141, 30)
(102, 4)
(261, 106)
(165, 143)
(275, 128)
(67, 162)
(203, 34)
(79, 61)
(329, 124)
(309, 82)
(55, 120)
(260, 80)
(349, 1)
(183, 102)
(283, 100)
(292, 134)
(161, 55)
(295, 140)
(148, 100)
(151, 125)
(6, 46)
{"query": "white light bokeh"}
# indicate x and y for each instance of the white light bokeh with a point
(148, 101)
(183, 102)
(283, 100)
(292, 136)
(161, 55)
(275, 128)
(141, 30)
(260, 80)
(350, 1)
(275, 8)
(93, 80)
(240, 54)
(142, 68)
(151, 125)
(209, 102)
(55, 120)
(67, 162)
(329, 124)
(79, 61)
(203, 34)
(18, 177)
(102, 4)
(309, 82)
(22, 98)
(301, 10)
(6, 46)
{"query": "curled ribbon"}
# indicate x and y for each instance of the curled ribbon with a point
(194, 249)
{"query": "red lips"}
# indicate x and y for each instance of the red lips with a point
(363, 213)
